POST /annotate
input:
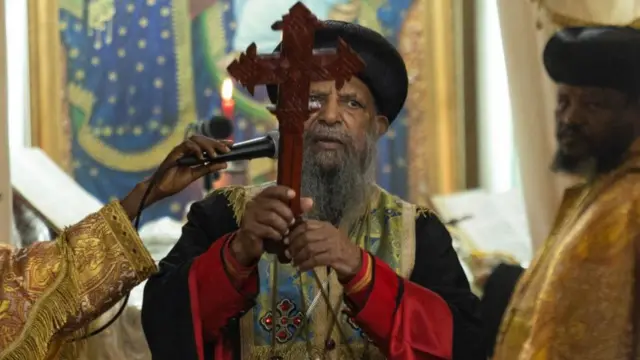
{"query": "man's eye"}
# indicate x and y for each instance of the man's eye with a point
(354, 104)
(562, 105)
(595, 105)
(314, 103)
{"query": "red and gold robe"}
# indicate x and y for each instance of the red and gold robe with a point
(52, 290)
(411, 299)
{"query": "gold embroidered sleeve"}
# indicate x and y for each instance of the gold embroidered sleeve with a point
(64, 284)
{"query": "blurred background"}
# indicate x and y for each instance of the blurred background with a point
(99, 92)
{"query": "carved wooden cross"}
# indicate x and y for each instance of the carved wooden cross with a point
(293, 69)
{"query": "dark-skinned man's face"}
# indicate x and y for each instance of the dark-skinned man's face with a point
(341, 121)
(339, 148)
(593, 126)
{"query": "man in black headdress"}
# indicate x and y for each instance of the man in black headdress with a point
(579, 298)
(388, 267)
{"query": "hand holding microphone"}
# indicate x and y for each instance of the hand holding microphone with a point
(265, 146)
(169, 178)
(196, 157)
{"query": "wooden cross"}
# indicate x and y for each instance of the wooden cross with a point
(293, 69)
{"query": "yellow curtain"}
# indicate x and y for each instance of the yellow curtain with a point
(49, 126)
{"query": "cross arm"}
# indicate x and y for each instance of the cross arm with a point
(251, 69)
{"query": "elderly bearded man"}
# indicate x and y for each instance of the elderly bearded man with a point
(579, 299)
(389, 262)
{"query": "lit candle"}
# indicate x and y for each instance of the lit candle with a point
(226, 94)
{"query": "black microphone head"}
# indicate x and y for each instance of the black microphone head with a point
(275, 137)
(218, 127)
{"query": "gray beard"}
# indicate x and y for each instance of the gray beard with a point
(338, 192)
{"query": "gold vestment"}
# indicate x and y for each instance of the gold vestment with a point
(578, 299)
(52, 290)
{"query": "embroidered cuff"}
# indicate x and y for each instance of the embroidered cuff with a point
(363, 278)
(357, 290)
(132, 245)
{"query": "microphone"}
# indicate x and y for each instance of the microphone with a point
(218, 127)
(265, 146)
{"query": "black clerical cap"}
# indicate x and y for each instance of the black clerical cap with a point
(385, 72)
(606, 57)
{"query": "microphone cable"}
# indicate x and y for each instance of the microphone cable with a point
(152, 183)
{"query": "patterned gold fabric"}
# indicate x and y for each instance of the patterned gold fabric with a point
(51, 290)
(578, 298)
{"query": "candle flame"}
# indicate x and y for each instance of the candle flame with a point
(227, 89)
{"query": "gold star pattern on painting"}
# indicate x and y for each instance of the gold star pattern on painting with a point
(144, 22)
(73, 53)
(165, 34)
(165, 130)
(107, 131)
(95, 61)
(77, 27)
(63, 25)
(132, 90)
(151, 2)
(142, 43)
(139, 67)
(157, 110)
(93, 172)
(120, 130)
(161, 60)
(79, 75)
(112, 99)
(122, 30)
(175, 207)
(113, 77)
(153, 125)
(165, 11)
(137, 130)
(132, 111)
(157, 83)
(130, 8)
(75, 164)
(208, 92)
(122, 53)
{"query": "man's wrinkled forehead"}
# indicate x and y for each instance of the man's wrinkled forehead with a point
(329, 87)
(354, 89)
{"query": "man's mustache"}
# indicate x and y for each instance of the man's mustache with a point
(569, 131)
(328, 133)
